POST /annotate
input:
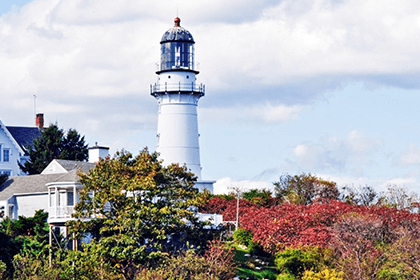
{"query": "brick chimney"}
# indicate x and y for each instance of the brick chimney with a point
(39, 121)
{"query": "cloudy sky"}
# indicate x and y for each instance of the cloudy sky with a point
(329, 87)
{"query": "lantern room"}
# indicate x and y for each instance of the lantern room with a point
(177, 50)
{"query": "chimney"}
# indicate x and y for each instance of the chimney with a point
(39, 120)
(96, 152)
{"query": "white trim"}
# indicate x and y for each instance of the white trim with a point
(11, 138)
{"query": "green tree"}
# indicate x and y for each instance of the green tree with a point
(304, 189)
(136, 210)
(3, 178)
(295, 261)
(260, 197)
(26, 235)
(73, 146)
(54, 144)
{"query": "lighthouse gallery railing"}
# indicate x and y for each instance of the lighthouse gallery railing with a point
(177, 87)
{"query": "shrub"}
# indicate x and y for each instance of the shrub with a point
(2, 269)
(217, 263)
(243, 237)
(296, 261)
(326, 274)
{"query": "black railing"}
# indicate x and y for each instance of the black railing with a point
(177, 87)
(172, 65)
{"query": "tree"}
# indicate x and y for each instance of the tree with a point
(136, 210)
(54, 144)
(260, 197)
(400, 198)
(3, 178)
(304, 188)
(27, 235)
(357, 245)
(295, 261)
(403, 256)
(366, 195)
(73, 147)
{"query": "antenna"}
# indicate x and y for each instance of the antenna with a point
(35, 106)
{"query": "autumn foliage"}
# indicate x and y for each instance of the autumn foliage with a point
(285, 225)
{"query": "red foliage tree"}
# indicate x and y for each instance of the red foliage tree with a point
(293, 225)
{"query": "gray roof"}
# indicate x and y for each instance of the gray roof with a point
(24, 136)
(34, 183)
(70, 165)
(71, 176)
(26, 184)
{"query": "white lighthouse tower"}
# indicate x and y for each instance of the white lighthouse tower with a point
(177, 93)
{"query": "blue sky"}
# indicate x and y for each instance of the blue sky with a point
(321, 86)
(7, 5)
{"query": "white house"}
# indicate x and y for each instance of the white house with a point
(55, 190)
(14, 143)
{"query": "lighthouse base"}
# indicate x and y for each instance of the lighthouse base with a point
(204, 185)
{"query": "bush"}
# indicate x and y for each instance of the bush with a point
(243, 237)
(217, 263)
(326, 274)
(285, 276)
(2, 269)
(296, 261)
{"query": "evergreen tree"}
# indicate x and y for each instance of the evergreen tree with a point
(73, 147)
(3, 178)
(54, 144)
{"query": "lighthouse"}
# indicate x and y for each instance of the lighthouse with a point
(177, 92)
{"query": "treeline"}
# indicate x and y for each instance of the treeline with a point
(140, 218)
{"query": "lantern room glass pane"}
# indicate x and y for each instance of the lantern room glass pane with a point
(177, 55)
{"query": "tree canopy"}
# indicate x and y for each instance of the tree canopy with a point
(304, 188)
(143, 210)
(55, 144)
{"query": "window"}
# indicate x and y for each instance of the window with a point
(6, 153)
(11, 212)
(52, 199)
(7, 172)
(70, 199)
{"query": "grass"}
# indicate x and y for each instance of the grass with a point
(247, 268)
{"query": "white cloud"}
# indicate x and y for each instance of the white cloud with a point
(274, 52)
(379, 184)
(411, 156)
(260, 113)
(351, 155)
(225, 185)
(90, 64)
